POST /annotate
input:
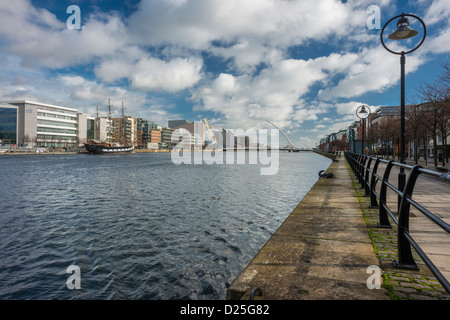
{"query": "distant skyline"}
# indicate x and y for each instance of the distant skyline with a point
(303, 65)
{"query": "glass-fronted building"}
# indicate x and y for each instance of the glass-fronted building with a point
(90, 128)
(8, 124)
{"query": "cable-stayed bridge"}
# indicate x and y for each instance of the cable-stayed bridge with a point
(290, 147)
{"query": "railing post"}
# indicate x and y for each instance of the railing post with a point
(373, 183)
(358, 167)
(361, 170)
(366, 179)
(352, 157)
(383, 215)
(349, 158)
(405, 258)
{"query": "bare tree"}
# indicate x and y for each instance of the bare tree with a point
(432, 110)
(389, 128)
(26, 139)
(374, 133)
(444, 127)
(445, 124)
(445, 76)
(415, 129)
(339, 144)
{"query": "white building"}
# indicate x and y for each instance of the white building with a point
(45, 125)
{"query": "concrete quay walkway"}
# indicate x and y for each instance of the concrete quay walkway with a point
(321, 252)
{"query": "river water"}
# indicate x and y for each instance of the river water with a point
(138, 226)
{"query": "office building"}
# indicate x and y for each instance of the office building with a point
(125, 130)
(39, 124)
(144, 128)
(8, 124)
(155, 136)
(173, 124)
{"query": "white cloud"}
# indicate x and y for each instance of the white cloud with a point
(111, 70)
(42, 40)
(437, 12)
(374, 70)
(174, 75)
(440, 43)
(17, 19)
(150, 73)
(249, 32)
(160, 114)
(272, 94)
(162, 48)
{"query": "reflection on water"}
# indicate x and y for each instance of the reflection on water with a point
(138, 226)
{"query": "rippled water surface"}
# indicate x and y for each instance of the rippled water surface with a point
(138, 226)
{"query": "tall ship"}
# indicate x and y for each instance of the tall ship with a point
(95, 146)
(101, 147)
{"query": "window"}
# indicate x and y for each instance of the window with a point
(8, 125)
(57, 124)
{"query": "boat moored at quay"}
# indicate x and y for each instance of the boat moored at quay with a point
(100, 147)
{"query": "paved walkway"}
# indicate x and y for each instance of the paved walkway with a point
(322, 251)
(434, 195)
(429, 164)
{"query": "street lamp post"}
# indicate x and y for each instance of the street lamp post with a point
(363, 112)
(403, 31)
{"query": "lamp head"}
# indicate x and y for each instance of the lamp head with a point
(404, 31)
(363, 109)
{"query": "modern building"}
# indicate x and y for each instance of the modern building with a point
(196, 128)
(125, 130)
(166, 138)
(227, 138)
(103, 129)
(39, 124)
(155, 136)
(173, 124)
(385, 111)
(353, 142)
(85, 123)
(144, 128)
(8, 124)
(90, 127)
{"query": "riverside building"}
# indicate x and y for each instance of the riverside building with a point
(38, 124)
(8, 124)
(35, 124)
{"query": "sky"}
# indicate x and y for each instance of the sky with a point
(304, 65)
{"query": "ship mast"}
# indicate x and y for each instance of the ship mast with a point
(123, 124)
(97, 126)
(108, 126)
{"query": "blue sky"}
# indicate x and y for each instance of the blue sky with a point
(304, 65)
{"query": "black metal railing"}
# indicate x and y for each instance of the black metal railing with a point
(368, 176)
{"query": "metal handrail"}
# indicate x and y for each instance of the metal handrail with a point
(255, 291)
(360, 164)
